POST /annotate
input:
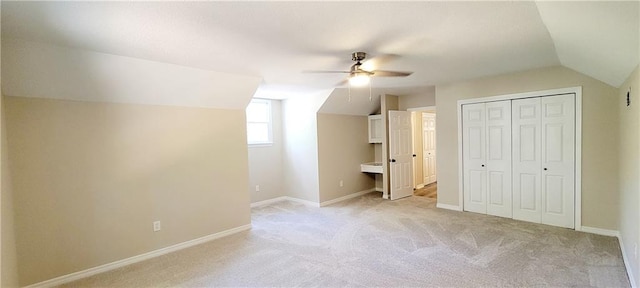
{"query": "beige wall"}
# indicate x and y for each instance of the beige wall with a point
(425, 99)
(628, 164)
(599, 131)
(300, 146)
(90, 178)
(9, 272)
(265, 161)
(343, 144)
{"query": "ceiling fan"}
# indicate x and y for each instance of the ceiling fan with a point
(361, 77)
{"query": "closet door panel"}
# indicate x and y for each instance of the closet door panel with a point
(473, 143)
(558, 160)
(498, 160)
(527, 159)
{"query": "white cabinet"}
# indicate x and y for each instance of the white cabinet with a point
(376, 129)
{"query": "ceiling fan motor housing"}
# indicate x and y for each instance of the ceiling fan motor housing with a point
(358, 56)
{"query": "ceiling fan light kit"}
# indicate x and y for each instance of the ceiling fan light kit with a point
(359, 80)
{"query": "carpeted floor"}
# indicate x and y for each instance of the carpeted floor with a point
(369, 241)
(430, 191)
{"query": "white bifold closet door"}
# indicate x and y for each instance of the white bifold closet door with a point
(544, 160)
(487, 158)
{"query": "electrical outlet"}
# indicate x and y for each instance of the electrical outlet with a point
(341, 183)
(257, 188)
(156, 226)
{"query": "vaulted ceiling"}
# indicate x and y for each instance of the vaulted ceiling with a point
(439, 41)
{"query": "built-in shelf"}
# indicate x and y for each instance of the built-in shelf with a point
(375, 129)
(372, 167)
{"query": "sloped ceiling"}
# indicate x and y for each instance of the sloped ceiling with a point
(599, 39)
(275, 41)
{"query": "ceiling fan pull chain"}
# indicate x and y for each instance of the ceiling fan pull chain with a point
(370, 90)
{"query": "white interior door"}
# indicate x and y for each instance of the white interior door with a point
(527, 162)
(498, 158)
(558, 160)
(473, 145)
(400, 154)
(429, 147)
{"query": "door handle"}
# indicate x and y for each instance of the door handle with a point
(392, 160)
(414, 155)
(482, 165)
(545, 169)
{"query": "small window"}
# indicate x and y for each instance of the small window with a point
(259, 122)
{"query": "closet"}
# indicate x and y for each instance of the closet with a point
(518, 158)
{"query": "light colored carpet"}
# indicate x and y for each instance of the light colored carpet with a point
(369, 241)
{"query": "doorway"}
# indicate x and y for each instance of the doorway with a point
(424, 149)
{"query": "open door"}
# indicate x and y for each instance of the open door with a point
(400, 154)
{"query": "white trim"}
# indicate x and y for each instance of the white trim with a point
(578, 159)
(420, 186)
(268, 201)
(578, 143)
(352, 195)
(378, 189)
(429, 108)
(542, 93)
(627, 266)
(599, 231)
(448, 207)
(135, 259)
(302, 201)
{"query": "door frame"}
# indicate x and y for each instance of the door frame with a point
(578, 143)
(428, 109)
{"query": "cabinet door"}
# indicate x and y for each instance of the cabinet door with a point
(473, 151)
(375, 129)
(558, 160)
(498, 158)
(527, 164)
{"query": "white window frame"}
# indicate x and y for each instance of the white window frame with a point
(269, 122)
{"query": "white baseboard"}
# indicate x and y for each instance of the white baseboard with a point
(302, 201)
(448, 207)
(135, 259)
(419, 186)
(627, 266)
(600, 231)
(378, 189)
(352, 195)
(625, 257)
(269, 201)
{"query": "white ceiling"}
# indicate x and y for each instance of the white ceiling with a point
(439, 41)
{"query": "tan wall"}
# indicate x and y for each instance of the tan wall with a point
(343, 144)
(425, 99)
(90, 178)
(599, 131)
(9, 262)
(265, 162)
(300, 146)
(629, 166)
